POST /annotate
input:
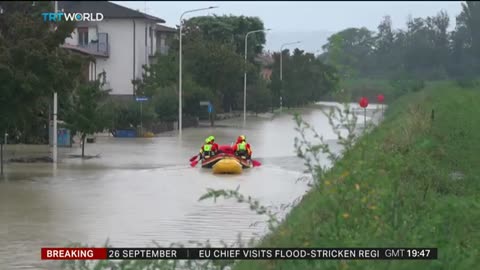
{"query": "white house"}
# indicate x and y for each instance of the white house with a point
(121, 43)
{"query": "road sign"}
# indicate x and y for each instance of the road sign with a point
(204, 103)
(210, 108)
(141, 99)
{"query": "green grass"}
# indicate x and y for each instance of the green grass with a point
(401, 193)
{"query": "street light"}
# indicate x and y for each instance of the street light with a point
(281, 54)
(245, 75)
(180, 69)
(55, 108)
(281, 68)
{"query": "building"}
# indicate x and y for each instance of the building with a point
(266, 61)
(123, 42)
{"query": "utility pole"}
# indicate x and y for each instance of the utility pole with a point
(245, 75)
(281, 70)
(1, 159)
(180, 67)
(55, 101)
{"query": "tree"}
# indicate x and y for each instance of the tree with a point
(213, 66)
(461, 63)
(87, 113)
(350, 50)
(214, 53)
(217, 67)
(227, 29)
(162, 73)
(305, 78)
(471, 19)
(32, 68)
(387, 52)
(259, 97)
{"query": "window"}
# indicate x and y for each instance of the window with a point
(82, 35)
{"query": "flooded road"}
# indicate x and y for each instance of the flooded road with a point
(143, 190)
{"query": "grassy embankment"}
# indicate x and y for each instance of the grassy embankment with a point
(417, 186)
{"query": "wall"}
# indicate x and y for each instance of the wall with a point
(141, 49)
(118, 65)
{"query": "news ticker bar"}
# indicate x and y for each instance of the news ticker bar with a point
(239, 253)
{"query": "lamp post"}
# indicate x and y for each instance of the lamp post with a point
(281, 54)
(180, 69)
(281, 68)
(245, 75)
(55, 103)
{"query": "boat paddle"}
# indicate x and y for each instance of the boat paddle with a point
(194, 163)
(193, 158)
(256, 163)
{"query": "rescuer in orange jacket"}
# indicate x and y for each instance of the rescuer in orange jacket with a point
(242, 148)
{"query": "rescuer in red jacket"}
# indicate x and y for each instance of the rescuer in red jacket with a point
(242, 148)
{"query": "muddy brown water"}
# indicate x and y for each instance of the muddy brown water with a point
(143, 190)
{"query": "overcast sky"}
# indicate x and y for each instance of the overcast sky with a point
(301, 17)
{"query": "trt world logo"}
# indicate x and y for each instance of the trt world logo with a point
(77, 17)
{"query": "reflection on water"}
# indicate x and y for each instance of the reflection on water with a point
(143, 190)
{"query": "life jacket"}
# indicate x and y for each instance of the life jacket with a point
(207, 147)
(242, 146)
(208, 150)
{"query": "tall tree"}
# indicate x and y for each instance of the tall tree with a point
(32, 67)
(471, 16)
(461, 62)
(386, 53)
(351, 50)
(305, 78)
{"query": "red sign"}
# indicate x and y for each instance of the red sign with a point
(363, 102)
(74, 253)
(380, 98)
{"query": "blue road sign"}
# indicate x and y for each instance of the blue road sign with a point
(141, 99)
(210, 108)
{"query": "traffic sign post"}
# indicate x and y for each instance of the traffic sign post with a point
(210, 110)
(141, 100)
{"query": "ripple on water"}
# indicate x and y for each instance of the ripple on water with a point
(143, 190)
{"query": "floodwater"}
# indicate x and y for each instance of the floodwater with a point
(143, 190)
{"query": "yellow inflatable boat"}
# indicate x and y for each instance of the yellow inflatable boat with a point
(227, 165)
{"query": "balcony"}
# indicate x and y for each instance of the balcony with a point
(99, 47)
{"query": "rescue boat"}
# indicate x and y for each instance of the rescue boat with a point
(226, 162)
(227, 165)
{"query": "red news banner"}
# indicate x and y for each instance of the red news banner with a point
(239, 253)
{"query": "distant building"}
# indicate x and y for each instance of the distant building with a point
(266, 60)
(267, 73)
(121, 43)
